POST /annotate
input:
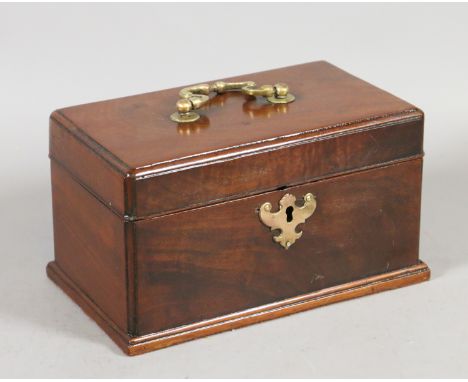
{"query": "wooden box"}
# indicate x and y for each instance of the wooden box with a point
(165, 232)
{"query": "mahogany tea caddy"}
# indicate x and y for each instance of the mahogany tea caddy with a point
(174, 219)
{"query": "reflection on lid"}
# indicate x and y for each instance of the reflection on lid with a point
(257, 109)
(253, 107)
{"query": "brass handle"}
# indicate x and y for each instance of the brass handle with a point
(194, 97)
(288, 217)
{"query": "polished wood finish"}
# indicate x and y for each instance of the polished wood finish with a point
(137, 130)
(155, 166)
(156, 228)
(202, 263)
(90, 245)
(141, 344)
(288, 165)
(83, 160)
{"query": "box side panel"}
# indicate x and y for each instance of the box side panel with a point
(90, 245)
(203, 263)
(99, 177)
(281, 167)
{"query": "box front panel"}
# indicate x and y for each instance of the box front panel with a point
(211, 261)
(286, 166)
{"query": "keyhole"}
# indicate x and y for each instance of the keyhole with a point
(289, 214)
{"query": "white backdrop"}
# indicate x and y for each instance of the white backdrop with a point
(53, 56)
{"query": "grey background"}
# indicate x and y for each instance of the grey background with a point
(53, 56)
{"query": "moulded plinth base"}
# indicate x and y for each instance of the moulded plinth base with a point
(154, 341)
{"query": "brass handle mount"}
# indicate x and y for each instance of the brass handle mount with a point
(194, 97)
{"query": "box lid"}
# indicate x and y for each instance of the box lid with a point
(133, 158)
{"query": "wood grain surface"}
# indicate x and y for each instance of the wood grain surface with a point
(137, 130)
(202, 263)
(135, 345)
(90, 245)
(156, 228)
(138, 162)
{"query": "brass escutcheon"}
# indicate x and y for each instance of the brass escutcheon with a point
(194, 97)
(288, 217)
